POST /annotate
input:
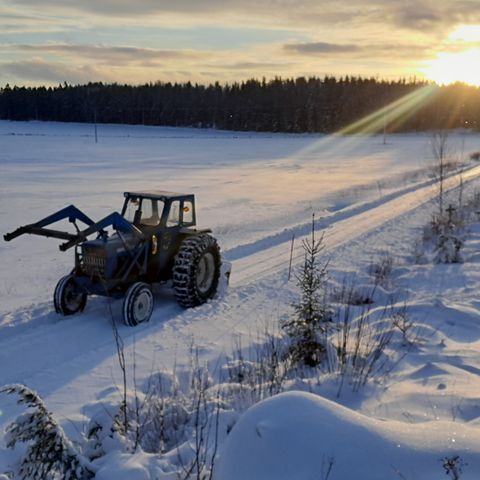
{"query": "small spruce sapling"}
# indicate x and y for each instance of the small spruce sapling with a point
(312, 316)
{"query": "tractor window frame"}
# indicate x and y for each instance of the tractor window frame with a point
(176, 222)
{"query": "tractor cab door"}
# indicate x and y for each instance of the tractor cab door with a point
(177, 215)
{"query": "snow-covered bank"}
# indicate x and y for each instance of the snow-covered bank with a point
(303, 436)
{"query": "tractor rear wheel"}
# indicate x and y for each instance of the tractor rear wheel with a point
(196, 270)
(137, 304)
(67, 298)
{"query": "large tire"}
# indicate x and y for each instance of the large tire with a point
(137, 304)
(196, 270)
(67, 298)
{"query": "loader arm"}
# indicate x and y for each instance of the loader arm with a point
(114, 220)
(71, 212)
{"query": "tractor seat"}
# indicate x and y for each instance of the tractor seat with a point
(151, 221)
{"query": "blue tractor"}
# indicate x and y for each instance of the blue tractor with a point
(153, 239)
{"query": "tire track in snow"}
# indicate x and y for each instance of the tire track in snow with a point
(267, 260)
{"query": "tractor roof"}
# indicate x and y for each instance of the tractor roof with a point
(159, 195)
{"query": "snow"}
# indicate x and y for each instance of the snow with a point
(255, 191)
(125, 466)
(297, 434)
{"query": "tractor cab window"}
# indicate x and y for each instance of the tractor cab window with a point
(151, 211)
(173, 219)
(132, 206)
(187, 212)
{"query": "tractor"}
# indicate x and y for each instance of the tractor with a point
(153, 239)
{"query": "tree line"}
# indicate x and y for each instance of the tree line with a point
(279, 105)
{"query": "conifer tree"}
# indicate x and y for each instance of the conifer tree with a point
(49, 454)
(310, 323)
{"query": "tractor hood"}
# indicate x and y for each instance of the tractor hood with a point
(104, 257)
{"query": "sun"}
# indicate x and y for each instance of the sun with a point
(455, 67)
(466, 33)
(463, 64)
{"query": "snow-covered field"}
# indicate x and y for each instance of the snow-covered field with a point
(255, 191)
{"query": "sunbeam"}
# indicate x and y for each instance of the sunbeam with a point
(352, 135)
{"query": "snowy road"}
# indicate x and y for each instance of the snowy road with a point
(338, 229)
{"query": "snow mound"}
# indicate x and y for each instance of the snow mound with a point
(302, 436)
(126, 466)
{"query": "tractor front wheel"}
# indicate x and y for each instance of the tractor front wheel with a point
(137, 304)
(196, 270)
(67, 298)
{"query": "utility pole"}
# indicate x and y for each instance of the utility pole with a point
(95, 123)
(384, 128)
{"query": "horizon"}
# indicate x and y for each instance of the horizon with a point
(412, 80)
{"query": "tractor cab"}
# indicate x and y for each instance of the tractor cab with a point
(154, 210)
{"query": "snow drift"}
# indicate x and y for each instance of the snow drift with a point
(302, 436)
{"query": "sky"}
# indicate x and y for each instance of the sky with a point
(47, 42)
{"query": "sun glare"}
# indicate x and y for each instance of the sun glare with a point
(455, 67)
(460, 65)
(466, 33)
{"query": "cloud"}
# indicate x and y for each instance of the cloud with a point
(431, 17)
(296, 14)
(391, 51)
(57, 63)
(321, 47)
(104, 55)
(123, 8)
(409, 14)
(25, 20)
(41, 71)
(259, 66)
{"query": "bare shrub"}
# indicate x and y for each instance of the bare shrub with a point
(362, 338)
(381, 271)
(327, 466)
(165, 415)
(198, 463)
(446, 222)
(443, 162)
(272, 362)
(259, 372)
(402, 321)
(348, 293)
(182, 417)
(453, 466)
(449, 242)
(419, 251)
(122, 419)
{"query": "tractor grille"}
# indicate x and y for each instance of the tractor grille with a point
(93, 263)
